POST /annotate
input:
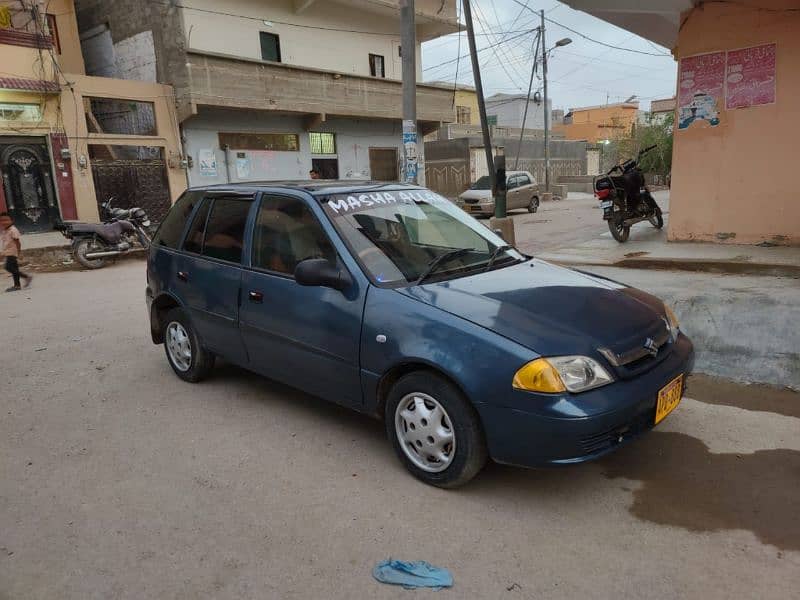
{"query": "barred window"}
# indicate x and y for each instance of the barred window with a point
(322, 143)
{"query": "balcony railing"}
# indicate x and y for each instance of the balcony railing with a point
(232, 82)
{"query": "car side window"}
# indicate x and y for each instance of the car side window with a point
(512, 182)
(194, 237)
(286, 233)
(224, 238)
(169, 233)
(523, 180)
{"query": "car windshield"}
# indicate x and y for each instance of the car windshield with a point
(407, 236)
(484, 183)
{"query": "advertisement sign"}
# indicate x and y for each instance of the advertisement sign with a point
(207, 161)
(750, 77)
(701, 87)
(410, 150)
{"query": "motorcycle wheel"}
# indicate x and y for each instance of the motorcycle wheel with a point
(617, 229)
(656, 220)
(84, 246)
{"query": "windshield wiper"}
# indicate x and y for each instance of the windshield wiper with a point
(434, 264)
(496, 253)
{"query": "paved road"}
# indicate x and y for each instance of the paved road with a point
(567, 222)
(117, 480)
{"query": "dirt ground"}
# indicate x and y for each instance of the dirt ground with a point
(118, 480)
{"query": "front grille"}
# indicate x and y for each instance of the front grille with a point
(470, 200)
(618, 434)
(631, 360)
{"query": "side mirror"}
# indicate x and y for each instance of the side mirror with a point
(321, 272)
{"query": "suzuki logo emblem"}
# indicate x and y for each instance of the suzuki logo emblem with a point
(650, 346)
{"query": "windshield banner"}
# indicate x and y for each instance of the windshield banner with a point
(345, 204)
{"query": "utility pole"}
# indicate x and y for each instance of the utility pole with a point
(546, 109)
(408, 48)
(476, 73)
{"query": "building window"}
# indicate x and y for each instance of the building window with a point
(491, 120)
(118, 116)
(280, 142)
(322, 143)
(376, 63)
(270, 47)
(52, 28)
(463, 115)
(17, 111)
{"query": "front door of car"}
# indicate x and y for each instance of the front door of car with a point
(209, 273)
(512, 195)
(307, 337)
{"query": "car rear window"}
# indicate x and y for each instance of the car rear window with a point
(169, 234)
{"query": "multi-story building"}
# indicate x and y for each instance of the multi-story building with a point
(271, 90)
(599, 123)
(66, 139)
(508, 110)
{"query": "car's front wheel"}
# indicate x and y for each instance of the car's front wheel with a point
(185, 354)
(533, 206)
(435, 431)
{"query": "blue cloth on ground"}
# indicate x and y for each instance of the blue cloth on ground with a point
(412, 574)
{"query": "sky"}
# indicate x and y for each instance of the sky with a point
(581, 74)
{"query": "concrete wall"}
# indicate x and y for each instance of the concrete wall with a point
(354, 137)
(308, 44)
(735, 182)
(509, 113)
(127, 20)
(449, 169)
(598, 123)
(469, 99)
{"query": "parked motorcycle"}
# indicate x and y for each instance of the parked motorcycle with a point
(93, 244)
(625, 199)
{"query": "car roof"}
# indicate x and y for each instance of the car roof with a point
(316, 187)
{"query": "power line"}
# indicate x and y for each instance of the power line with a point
(586, 37)
(452, 60)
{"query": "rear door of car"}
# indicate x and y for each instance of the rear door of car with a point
(307, 337)
(209, 272)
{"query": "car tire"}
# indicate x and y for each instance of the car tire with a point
(185, 354)
(534, 204)
(424, 394)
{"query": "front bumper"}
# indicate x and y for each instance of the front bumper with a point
(479, 208)
(569, 431)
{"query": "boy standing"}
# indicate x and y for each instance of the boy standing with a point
(10, 247)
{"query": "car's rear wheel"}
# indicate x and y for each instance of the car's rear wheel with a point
(185, 354)
(533, 206)
(435, 431)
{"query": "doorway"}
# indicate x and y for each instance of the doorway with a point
(28, 183)
(383, 165)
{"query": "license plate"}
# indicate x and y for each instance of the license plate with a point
(606, 204)
(668, 398)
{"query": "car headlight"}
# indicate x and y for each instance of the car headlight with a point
(561, 373)
(672, 321)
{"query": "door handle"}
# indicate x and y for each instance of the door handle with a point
(183, 275)
(256, 297)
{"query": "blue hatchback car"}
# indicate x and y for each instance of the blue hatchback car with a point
(390, 300)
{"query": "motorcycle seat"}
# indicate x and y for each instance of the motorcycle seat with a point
(111, 232)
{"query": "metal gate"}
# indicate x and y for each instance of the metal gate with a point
(138, 182)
